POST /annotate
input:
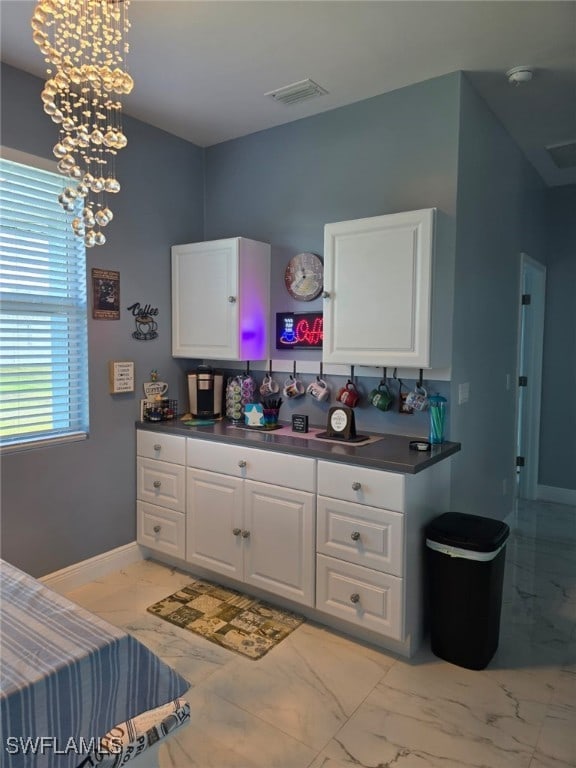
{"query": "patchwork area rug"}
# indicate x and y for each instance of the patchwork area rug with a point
(227, 617)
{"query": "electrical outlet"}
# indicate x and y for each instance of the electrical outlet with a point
(508, 381)
(463, 393)
(504, 486)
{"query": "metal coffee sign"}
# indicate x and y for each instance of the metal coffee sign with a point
(146, 325)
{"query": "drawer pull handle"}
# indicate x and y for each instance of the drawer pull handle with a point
(355, 535)
(156, 483)
(356, 486)
(232, 299)
(157, 528)
(354, 597)
(245, 534)
(241, 463)
(236, 531)
(157, 447)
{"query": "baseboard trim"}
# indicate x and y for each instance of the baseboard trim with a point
(94, 568)
(559, 495)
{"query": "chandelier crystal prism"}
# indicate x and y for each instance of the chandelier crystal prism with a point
(85, 46)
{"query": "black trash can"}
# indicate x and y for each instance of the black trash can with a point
(465, 559)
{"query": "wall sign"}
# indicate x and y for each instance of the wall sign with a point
(299, 330)
(105, 294)
(146, 325)
(120, 376)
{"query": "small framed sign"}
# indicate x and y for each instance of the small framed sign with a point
(120, 376)
(299, 330)
(299, 423)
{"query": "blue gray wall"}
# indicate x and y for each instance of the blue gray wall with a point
(558, 424)
(63, 504)
(500, 214)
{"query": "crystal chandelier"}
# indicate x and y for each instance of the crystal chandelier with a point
(84, 43)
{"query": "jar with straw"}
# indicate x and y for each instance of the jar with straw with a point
(437, 411)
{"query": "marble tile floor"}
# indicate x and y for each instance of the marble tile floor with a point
(323, 700)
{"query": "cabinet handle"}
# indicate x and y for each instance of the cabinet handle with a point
(157, 528)
(245, 534)
(156, 483)
(356, 486)
(241, 463)
(232, 299)
(354, 597)
(236, 531)
(355, 535)
(157, 447)
(325, 295)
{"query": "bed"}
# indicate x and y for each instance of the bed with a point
(76, 691)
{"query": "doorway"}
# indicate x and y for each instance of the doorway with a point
(532, 298)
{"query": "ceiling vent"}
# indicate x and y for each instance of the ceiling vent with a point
(300, 91)
(563, 155)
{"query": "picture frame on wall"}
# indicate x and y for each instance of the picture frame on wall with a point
(105, 294)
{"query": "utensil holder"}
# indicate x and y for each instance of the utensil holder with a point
(437, 411)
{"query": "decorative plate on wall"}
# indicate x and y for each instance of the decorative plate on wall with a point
(304, 276)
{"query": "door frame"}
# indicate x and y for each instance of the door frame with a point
(530, 353)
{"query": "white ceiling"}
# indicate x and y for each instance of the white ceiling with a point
(201, 69)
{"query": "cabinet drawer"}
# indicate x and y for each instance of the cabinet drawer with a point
(362, 596)
(359, 534)
(252, 464)
(156, 445)
(361, 485)
(162, 483)
(161, 529)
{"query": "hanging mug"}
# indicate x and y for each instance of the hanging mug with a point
(269, 386)
(318, 389)
(381, 397)
(348, 395)
(293, 388)
(417, 399)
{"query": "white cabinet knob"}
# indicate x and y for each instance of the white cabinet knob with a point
(241, 463)
(355, 535)
(157, 528)
(355, 597)
(157, 447)
(156, 483)
(236, 531)
(356, 486)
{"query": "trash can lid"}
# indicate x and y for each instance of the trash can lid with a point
(473, 532)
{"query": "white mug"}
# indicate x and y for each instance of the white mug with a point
(318, 389)
(417, 399)
(269, 386)
(293, 388)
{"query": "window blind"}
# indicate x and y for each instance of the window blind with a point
(43, 313)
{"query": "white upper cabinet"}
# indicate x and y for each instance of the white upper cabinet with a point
(378, 281)
(220, 300)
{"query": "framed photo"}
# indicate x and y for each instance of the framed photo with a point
(105, 294)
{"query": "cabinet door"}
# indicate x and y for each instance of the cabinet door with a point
(205, 300)
(378, 280)
(214, 522)
(279, 552)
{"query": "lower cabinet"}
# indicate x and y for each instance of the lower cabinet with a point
(344, 539)
(258, 533)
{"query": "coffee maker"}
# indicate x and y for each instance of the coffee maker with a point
(205, 387)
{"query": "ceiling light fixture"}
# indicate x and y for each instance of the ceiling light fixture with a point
(84, 43)
(519, 75)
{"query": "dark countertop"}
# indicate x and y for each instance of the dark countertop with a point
(390, 452)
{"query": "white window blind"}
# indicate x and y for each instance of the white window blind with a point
(43, 318)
